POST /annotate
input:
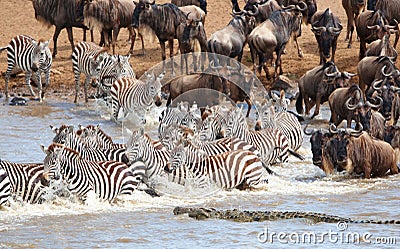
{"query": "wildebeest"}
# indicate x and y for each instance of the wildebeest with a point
(194, 12)
(63, 14)
(194, 39)
(317, 140)
(230, 40)
(166, 20)
(382, 47)
(391, 8)
(363, 112)
(307, 13)
(317, 84)
(200, 3)
(273, 35)
(353, 9)
(363, 154)
(370, 68)
(326, 27)
(265, 9)
(370, 26)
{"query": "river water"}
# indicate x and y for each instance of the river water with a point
(140, 221)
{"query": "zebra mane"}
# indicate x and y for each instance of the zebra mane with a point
(100, 132)
(54, 146)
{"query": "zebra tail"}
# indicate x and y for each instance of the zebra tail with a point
(2, 49)
(270, 171)
(294, 153)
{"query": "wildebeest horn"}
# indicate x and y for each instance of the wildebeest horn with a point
(301, 8)
(348, 75)
(318, 29)
(353, 107)
(375, 85)
(333, 129)
(330, 75)
(375, 27)
(380, 101)
(236, 12)
(256, 11)
(214, 67)
(385, 74)
(394, 88)
(353, 132)
(308, 132)
(334, 30)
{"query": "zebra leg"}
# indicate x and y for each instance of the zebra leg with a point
(85, 88)
(28, 82)
(39, 82)
(77, 79)
(7, 78)
(47, 82)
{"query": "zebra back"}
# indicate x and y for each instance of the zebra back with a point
(25, 180)
(227, 170)
(170, 116)
(5, 187)
(107, 179)
(97, 138)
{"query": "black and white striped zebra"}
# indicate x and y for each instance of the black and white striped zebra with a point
(271, 143)
(30, 56)
(135, 96)
(87, 58)
(107, 179)
(215, 120)
(65, 135)
(25, 180)
(113, 68)
(234, 169)
(5, 187)
(171, 116)
(141, 147)
(192, 119)
(284, 121)
(95, 137)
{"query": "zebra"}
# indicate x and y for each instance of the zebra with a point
(192, 119)
(171, 115)
(30, 56)
(133, 95)
(95, 137)
(65, 135)
(25, 180)
(284, 121)
(87, 58)
(270, 142)
(211, 127)
(5, 187)
(107, 179)
(141, 147)
(113, 68)
(233, 169)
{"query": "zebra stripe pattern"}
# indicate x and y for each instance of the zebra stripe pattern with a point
(285, 122)
(113, 68)
(233, 169)
(107, 179)
(97, 138)
(30, 56)
(87, 58)
(135, 96)
(65, 135)
(171, 116)
(25, 180)
(5, 187)
(270, 142)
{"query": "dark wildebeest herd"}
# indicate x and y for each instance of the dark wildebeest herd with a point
(207, 139)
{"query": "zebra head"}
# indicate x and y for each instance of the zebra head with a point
(62, 134)
(96, 63)
(88, 134)
(136, 145)
(154, 87)
(192, 119)
(235, 124)
(169, 116)
(265, 116)
(40, 54)
(52, 167)
(177, 159)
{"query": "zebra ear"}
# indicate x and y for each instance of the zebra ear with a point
(71, 128)
(47, 43)
(54, 129)
(44, 149)
(141, 131)
(35, 43)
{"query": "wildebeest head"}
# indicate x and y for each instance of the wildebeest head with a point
(141, 6)
(379, 25)
(318, 139)
(193, 28)
(362, 111)
(332, 76)
(326, 30)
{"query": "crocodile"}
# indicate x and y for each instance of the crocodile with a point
(236, 215)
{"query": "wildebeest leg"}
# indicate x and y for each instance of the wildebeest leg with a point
(249, 105)
(163, 56)
(278, 62)
(55, 37)
(307, 104)
(171, 54)
(114, 36)
(350, 29)
(91, 35)
(299, 51)
(363, 48)
(70, 37)
(240, 55)
(317, 106)
(132, 36)
(84, 34)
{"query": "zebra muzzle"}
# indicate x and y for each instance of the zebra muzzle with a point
(168, 168)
